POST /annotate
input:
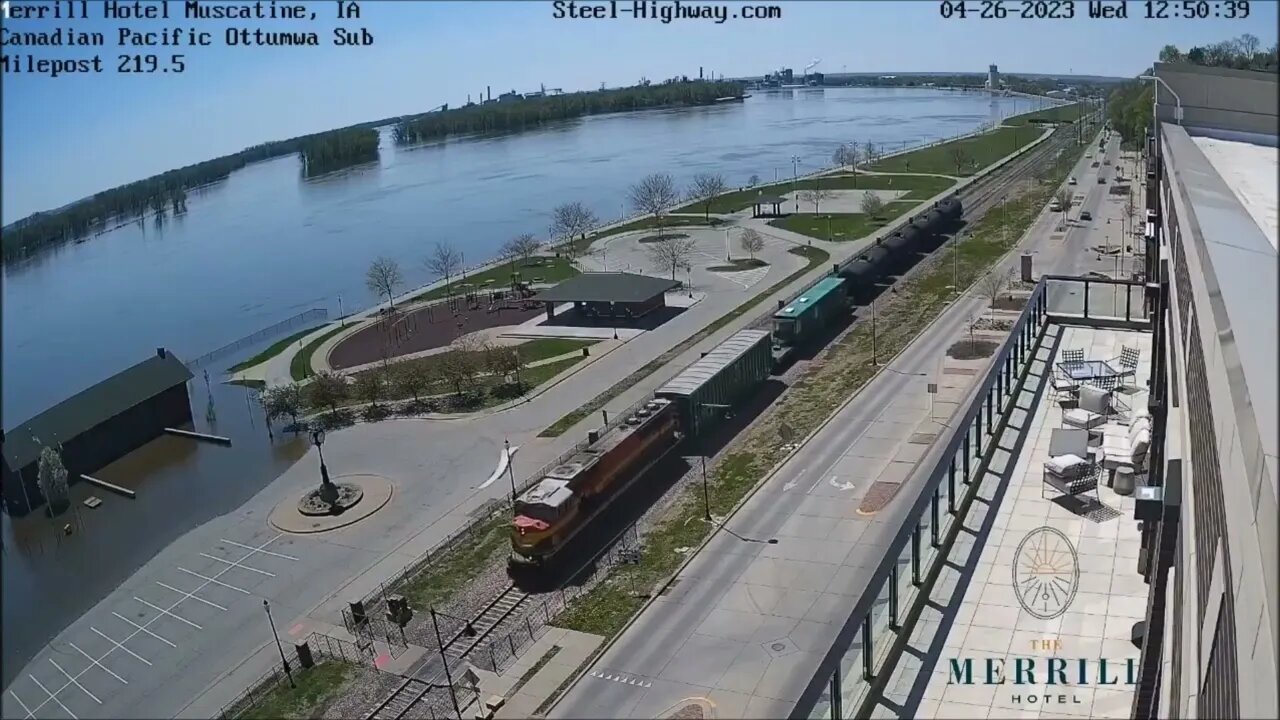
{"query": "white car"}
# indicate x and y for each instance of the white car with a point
(1071, 181)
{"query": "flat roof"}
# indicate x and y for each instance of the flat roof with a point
(724, 355)
(92, 407)
(769, 200)
(1249, 170)
(810, 296)
(608, 287)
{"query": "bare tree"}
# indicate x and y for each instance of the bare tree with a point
(816, 196)
(846, 155)
(869, 152)
(571, 222)
(960, 158)
(411, 378)
(705, 189)
(327, 390)
(509, 253)
(653, 195)
(751, 241)
(991, 285)
(52, 478)
(445, 261)
(1065, 197)
(282, 400)
(371, 386)
(383, 279)
(872, 204)
(753, 181)
(671, 252)
(525, 245)
(1131, 212)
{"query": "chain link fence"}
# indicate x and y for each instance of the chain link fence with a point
(310, 316)
(321, 647)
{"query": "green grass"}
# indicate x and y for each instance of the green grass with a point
(316, 687)
(455, 567)
(815, 257)
(920, 187)
(536, 350)
(550, 269)
(845, 369)
(274, 350)
(1061, 113)
(842, 227)
(981, 151)
(300, 364)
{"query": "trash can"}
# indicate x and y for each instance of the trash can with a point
(1123, 483)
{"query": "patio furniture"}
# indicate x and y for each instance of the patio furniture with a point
(1091, 411)
(1071, 475)
(1088, 371)
(1122, 482)
(1127, 364)
(1127, 446)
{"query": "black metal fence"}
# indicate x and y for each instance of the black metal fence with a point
(322, 647)
(302, 318)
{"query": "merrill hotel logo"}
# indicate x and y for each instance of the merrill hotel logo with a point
(1046, 575)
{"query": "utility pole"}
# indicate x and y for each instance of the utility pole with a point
(795, 174)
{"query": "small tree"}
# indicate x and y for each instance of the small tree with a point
(706, 188)
(816, 196)
(1065, 197)
(445, 261)
(281, 401)
(671, 252)
(870, 153)
(753, 181)
(371, 386)
(991, 285)
(872, 205)
(383, 279)
(960, 158)
(751, 241)
(411, 378)
(509, 253)
(653, 195)
(503, 361)
(459, 366)
(52, 479)
(524, 246)
(327, 390)
(571, 221)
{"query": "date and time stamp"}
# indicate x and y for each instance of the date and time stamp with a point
(66, 38)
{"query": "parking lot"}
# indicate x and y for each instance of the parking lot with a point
(142, 634)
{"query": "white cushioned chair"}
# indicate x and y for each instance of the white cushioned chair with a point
(1126, 446)
(1091, 410)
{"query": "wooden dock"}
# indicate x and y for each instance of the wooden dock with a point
(216, 439)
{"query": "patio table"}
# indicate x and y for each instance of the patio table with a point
(1088, 369)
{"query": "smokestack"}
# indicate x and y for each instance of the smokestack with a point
(699, 72)
(488, 93)
(160, 353)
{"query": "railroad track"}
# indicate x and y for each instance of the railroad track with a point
(405, 698)
(497, 612)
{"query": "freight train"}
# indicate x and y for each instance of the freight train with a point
(550, 514)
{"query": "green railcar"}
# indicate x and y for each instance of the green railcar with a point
(705, 390)
(800, 319)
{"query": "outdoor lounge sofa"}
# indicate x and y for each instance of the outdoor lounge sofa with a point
(1127, 445)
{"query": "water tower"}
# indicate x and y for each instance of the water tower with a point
(993, 77)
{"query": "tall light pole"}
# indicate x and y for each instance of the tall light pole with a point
(287, 671)
(706, 495)
(511, 473)
(448, 675)
(328, 491)
(795, 175)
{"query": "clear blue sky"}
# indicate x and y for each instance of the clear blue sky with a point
(69, 137)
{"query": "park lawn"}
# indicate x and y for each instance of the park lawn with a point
(1059, 114)
(316, 687)
(646, 223)
(814, 257)
(538, 269)
(275, 349)
(981, 151)
(843, 227)
(846, 368)
(300, 364)
(920, 187)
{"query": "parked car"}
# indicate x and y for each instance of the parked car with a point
(1102, 180)
(1071, 181)
(1086, 215)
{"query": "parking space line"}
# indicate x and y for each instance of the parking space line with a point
(24, 705)
(215, 582)
(142, 629)
(119, 645)
(77, 682)
(264, 552)
(53, 697)
(193, 596)
(105, 669)
(238, 564)
(166, 612)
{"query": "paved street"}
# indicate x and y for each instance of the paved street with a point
(745, 624)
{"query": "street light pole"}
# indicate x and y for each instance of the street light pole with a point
(448, 676)
(874, 363)
(795, 176)
(511, 473)
(706, 496)
(267, 606)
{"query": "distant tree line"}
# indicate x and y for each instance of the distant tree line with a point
(1129, 107)
(532, 112)
(339, 149)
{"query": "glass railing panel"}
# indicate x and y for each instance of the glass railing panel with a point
(1064, 297)
(906, 590)
(852, 681)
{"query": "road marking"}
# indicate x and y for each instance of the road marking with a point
(105, 669)
(122, 647)
(264, 552)
(77, 682)
(53, 697)
(142, 628)
(24, 705)
(620, 678)
(166, 612)
(215, 582)
(238, 564)
(841, 486)
(193, 596)
(816, 483)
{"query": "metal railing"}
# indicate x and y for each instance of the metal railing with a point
(322, 646)
(302, 318)
(857, 658)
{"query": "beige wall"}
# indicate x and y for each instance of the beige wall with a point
(1219, 98)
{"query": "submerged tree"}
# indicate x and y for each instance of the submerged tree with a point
(52, 479)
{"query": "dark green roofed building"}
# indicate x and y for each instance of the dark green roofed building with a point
(96, 426)
(614, 296)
